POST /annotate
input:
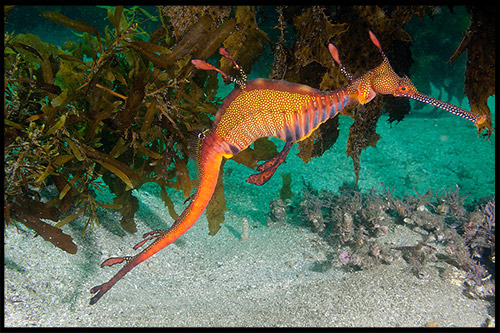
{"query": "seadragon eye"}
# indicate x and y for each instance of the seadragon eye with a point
(403, 89)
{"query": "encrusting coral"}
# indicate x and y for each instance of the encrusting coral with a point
(455, 233)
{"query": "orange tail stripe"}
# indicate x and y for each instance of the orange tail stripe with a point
(210, 158)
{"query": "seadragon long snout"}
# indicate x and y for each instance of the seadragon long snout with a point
(476, 119)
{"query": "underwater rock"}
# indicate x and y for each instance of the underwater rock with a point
(278, 211)
(453, 275)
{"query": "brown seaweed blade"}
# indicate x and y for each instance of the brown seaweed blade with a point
(217, 206)
(48, 232)
(70, 23)
(480, 71)
(245, 41)
(31, 218)
(126, 116)
(362, 133)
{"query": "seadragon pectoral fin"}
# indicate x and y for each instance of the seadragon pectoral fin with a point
(267, 169)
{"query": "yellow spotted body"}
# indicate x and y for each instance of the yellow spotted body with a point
(265, 108)
(274, 110)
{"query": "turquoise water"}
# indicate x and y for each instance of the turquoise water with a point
(429, 149)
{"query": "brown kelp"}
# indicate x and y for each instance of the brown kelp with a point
(115, 109)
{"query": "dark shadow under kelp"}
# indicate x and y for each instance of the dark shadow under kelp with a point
(460, 235)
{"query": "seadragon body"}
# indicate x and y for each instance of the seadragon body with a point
(262, 108)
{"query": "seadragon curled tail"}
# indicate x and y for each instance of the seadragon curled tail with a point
(261, 108)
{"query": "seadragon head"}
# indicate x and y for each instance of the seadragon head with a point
(383, 80)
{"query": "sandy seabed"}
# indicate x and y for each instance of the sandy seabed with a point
(266, 280)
